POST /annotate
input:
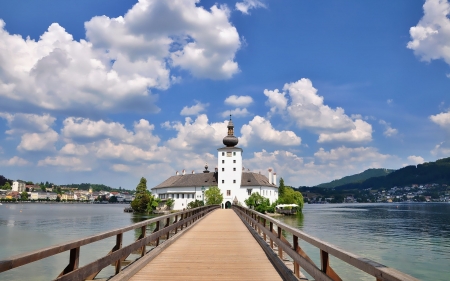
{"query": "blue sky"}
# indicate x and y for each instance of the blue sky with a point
(109, 91)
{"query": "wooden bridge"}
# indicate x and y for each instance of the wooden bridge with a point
(209, 243)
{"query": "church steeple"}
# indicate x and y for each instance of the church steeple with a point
(230, 140)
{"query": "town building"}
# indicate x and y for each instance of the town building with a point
(235, 184)
(19, 186)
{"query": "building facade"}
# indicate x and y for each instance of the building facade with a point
(19, 186)
(235, 184)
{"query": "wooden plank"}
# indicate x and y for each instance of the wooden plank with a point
(219, 247)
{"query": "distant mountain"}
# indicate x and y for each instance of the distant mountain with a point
(431, 172)
(367, 174)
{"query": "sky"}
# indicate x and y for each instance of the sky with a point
(109, 91)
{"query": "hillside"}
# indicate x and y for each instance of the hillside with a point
(431, 172)
(367, 174)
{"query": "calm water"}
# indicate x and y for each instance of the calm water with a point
(413, 238)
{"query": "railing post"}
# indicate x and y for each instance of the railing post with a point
(296, 265)
(143, 233)
(167, 224)
(259, 229)
(74, 260)
(271, 231)
(264, 224)
(117, 247)
(324, 261)
(280, 251)
(156, 229)
(176, 220)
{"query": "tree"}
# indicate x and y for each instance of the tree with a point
(213, 196)
(112, 199)
(169, 203)
(195, 204)
(258, 202)
(24, 196)
(142, 199)
(281, 188)
(290, 196)
(7, 186)
(152, 204)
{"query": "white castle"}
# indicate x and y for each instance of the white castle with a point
(234, 182)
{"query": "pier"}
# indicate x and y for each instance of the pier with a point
(209, 243)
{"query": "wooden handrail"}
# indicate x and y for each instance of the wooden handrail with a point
(117, 254)
(259, 222)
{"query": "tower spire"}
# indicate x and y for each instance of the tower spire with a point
(230, 140)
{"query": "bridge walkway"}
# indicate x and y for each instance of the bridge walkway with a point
(219, 247)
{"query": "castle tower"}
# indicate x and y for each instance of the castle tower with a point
(229, 167)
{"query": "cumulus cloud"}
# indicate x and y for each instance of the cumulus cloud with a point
(441, 150)
(415, 159)
(430, 38)
(361, 133)
(38, 142)
(239, 101)
(195, 109)
(388, 130)
(442, 119)
(196, 134)
(247, 5)
(261, 130)
(15, 161)
(307, 109)
(237, 112)
(74, 149)
(121, 60)
(322, 167)
(68, 163)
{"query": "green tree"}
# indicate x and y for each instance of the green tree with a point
(258, 202)
(152, 204)
(112, 199)
(169, 203)
(290, 196)
(142, 199)
(281, 188)
(195, 204)
(24, 196)
(213, 196)
(7, 186)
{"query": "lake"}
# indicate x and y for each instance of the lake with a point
(413, 238)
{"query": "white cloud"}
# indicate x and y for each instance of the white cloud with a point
(415, 159)
(15, 161)
(324, 166)
(237, 112)
(74, 149)
(197, 135)
(390, 101)
(239, 101)
(361, 133)
(442, 119)
(69, 163)
(120, 168)
(38, 141)
(388, 130)
(307, 109)
(261, 130)
(21, 123)
(430, 38)
(195, 109)
(247, 5)
(121, 60)
(441, 150)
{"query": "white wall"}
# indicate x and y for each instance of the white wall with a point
(230, 172)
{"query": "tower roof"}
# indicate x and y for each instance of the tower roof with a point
(230, 140)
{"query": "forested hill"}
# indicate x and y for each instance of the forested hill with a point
(86, 186)
(358, 178)
(432, 172)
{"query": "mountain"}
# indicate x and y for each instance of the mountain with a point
(367, 174)
(426, 173)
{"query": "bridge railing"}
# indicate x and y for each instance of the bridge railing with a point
(272, 231)
(165, 226)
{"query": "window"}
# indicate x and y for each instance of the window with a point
(223, 181)
(234, 169)
(234, 181)
(178, 196)
(228, 192)
(249, 191)
(234, 161)
(223, 169)
(229, 154)
(223, 153)
(223, 161)
(182, 196)
(234, 153)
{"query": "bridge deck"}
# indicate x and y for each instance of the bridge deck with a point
(219, 247)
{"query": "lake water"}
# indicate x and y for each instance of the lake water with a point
(413, 238)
